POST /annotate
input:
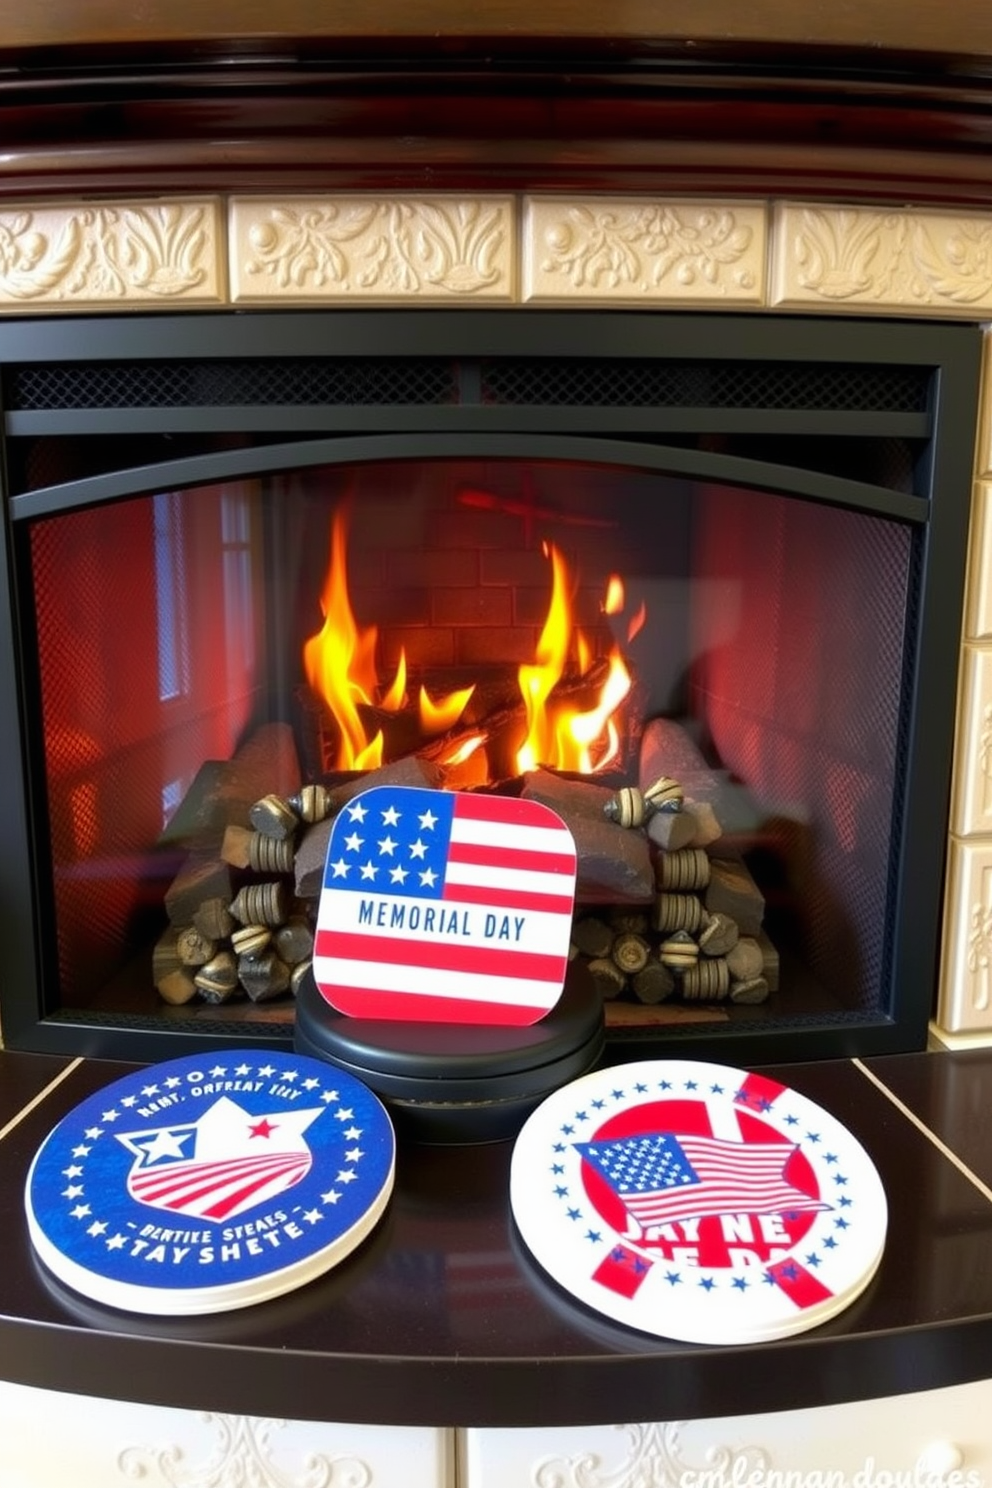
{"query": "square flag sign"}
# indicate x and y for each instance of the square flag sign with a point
(445, 906)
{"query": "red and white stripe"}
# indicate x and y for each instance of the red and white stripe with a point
(523, 868)
(218, 1190)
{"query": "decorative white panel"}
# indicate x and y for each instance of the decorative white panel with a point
(984, 462)
(346, 249)
(939, 1439)
(643, 251)
(971, 798)
(111, 255)
(889, 261)
(965, 1000)
(48, 1440)
(978, 600)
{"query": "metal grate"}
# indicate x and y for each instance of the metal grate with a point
(683, 384)
(533, 381)
(292, 381)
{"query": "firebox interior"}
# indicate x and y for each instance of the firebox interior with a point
(753, 533)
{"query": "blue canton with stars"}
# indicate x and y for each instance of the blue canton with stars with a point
(86, 1225)
(391, 842)
(642, 1164)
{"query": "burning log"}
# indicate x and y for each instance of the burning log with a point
(662, 918)
(500, 726)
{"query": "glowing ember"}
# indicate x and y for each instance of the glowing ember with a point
(339, 662)
(461, 752)
(561, 734)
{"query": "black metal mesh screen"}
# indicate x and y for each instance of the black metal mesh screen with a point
(799, 680)
(356, 381)
(680, 384)
(216, 384)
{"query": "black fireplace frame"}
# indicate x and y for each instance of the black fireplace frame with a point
(191, 404)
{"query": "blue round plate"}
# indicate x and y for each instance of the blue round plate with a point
(210, 1182)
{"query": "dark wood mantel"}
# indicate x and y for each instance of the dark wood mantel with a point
(442, 1317)
(878, 101)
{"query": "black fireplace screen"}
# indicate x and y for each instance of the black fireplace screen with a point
(554, 555)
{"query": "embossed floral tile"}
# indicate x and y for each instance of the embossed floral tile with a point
(363, 248)
(111, 254)
(636, 249)
(889, 261)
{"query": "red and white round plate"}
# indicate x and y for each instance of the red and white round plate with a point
(698, 1202)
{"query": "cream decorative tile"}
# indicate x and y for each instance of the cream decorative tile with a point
(116, 255)
(964, 1002)
(891, 261)
(103, 1442)
(984, 445)
(971, 802)
(978, 596)
(934, 1437)
(372, 249)
(644, 251)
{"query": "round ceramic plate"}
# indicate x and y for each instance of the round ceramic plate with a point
(210, 1182)
(697, 1202)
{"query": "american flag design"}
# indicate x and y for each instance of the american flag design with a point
(661, 1178)
(445, 906)
(210, 1182)
(222, 1165)
(697, 1202)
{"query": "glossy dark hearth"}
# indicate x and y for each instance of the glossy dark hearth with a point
(442, 1318)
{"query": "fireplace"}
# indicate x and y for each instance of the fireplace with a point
(736, 544)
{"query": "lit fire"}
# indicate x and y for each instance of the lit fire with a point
(566, 727)
(559, 734)
(339, 663)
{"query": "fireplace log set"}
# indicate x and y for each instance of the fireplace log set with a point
(667, 910)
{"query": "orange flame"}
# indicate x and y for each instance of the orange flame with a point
(339, 662)
(637, 621)
(615, 600)
(559, 734)
(437, 716)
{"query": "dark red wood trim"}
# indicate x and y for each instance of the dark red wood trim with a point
(633, 128)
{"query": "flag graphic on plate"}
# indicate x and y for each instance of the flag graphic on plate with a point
(663, 1179)
(210, 1182)
(697, 1202)
(445, 906)
(221, 1165)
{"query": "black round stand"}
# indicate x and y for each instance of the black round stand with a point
(454, 1082)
